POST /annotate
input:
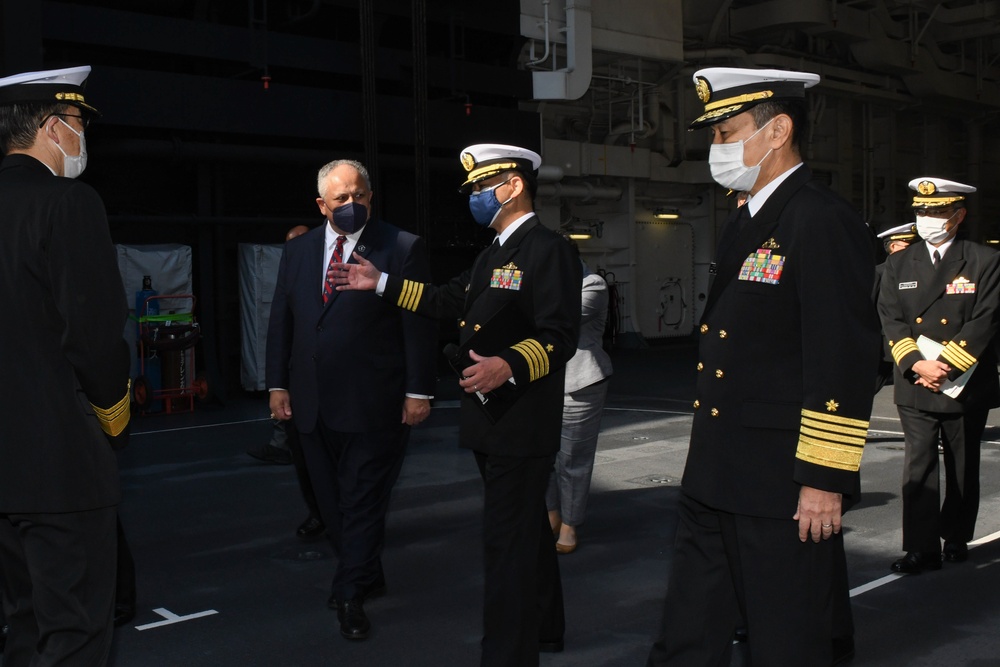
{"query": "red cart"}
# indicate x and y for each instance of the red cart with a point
(167, 381)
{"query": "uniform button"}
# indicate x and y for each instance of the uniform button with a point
(944, 320)
(722, 333)
(696, 404)
(719, 374)
(920, 320)
(476, 327)
(891, 343)
(462, 323)
(701, 367)
(704, 328)
(715, 412)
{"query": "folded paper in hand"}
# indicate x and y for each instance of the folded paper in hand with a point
(932, 350)
(505, 328)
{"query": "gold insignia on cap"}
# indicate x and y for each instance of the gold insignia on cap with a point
(703, 88)
(926, 188)
(468, 161)
(832, 405)
(73, 97)
(771, 244)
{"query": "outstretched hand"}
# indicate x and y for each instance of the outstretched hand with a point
(361, 276)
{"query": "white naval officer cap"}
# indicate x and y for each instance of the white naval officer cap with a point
(905, 232)
(63, 86)
(481, 161)
(728, 91)
(933, 192)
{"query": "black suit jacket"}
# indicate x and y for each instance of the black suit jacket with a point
(354, 358)
(61, 335)
(536, 272)
(788, 349)
(956, 304)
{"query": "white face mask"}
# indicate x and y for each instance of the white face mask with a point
(933, 230)
(728, 168)
(73, 165)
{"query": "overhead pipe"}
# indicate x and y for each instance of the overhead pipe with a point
(583, 191)
(572, 82)
(545, 23)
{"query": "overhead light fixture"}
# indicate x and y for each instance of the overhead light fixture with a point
(666, 214)
(581, 230)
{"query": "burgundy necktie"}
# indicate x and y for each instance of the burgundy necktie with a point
(336, 258)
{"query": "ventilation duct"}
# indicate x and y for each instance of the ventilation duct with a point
(573, 81)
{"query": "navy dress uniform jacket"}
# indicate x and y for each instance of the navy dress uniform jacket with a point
(537, 272)
(62, 340)
(789, 345)
(354, 358)
(955, 304)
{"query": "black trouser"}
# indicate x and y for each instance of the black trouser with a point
(523, 602)
(352, 476)
(925, 519)
(729, 570)
(58, 587)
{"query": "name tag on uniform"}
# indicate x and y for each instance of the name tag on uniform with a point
(762, 267)
(960, 286)
(912, 285)
(507, 277)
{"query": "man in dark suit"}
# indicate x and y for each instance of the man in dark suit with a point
(788, 349)
(354, 373)
(65, 402)
(522, 298)
(942, 291)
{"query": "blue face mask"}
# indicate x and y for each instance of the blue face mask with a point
(485, 206)
(350, 217)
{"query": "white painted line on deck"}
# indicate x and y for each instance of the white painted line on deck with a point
(172, 618)
(195, 428)
(864, 588)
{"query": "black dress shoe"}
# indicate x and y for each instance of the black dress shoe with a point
(311, 528)
(271, 454)
(550, 646)
(915, 562)
(376, 590)
(956, 552)
(123, 614)
(354, 623)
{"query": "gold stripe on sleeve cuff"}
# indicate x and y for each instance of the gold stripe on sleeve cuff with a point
(409, 298)
(957, 357)
(831, 441)
(113, 420)
(534, 354)
(902, 348)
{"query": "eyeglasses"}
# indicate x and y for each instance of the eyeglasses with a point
(84, 120)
